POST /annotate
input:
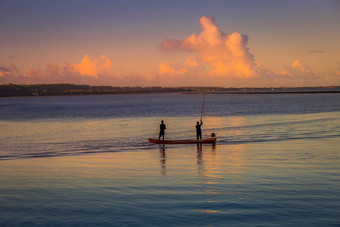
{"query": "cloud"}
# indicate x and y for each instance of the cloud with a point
(224, 55)
(10, 71)
(222, 59)
(190, 66)
(88, 71)
(300, 74)
(213, 58)
(4, 71)
(96, 71)
(167, 67)
(297, 69)
(90, 67)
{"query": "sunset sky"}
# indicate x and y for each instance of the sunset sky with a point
(231, 43)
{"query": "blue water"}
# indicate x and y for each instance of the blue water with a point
(163, 105)
(86, 161)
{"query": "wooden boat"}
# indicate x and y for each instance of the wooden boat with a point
(212, 139)
(156, 141)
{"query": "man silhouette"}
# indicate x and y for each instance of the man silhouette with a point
(198, 130)
(162, 128)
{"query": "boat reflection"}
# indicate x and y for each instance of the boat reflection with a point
(162, 158)
(200, 149)
(210, 164)
(200, 162)
(204, 157)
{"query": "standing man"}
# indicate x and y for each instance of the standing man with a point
(198, 130)
(162, 128)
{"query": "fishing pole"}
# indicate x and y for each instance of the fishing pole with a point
(202, 106)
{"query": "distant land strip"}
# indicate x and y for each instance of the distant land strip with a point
(14, 90)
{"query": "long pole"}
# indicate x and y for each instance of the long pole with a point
(202, 106)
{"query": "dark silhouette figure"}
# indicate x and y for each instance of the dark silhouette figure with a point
(162, 128)
(198, 130)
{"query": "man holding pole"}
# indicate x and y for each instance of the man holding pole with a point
(198, 130)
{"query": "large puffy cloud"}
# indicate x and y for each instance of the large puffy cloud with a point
(224, 55)
(221, 59)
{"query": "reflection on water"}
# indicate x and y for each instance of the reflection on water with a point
(200, 150)
(89, 163)
(49, 138)
(162, 158)
(221, 185)
(200, 163)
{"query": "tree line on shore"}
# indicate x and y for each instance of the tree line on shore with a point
(11, 90)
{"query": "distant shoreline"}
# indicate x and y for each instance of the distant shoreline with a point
(14, 90)
(269, 92)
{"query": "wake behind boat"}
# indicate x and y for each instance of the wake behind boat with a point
(156, 141)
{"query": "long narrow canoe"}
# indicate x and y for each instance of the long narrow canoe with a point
(209, 140)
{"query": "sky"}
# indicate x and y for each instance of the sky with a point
(230, 43)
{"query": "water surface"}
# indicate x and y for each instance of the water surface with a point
(85, 160)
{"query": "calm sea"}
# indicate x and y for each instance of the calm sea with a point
(86, 161)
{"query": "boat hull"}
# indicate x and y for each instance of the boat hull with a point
(156, 141)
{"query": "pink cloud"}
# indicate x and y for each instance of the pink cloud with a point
(215, 59)
(167, 67)
(224, 59)
(88, 71)
(96, 71)
(94, 67)
(224, 55)
(296, 69)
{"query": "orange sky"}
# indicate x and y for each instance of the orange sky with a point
(227, 44)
